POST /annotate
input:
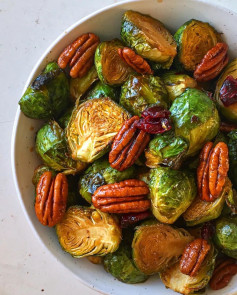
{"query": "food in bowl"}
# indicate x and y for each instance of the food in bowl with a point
(136, 152)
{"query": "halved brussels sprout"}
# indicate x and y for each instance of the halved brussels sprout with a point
(39, 171)
(79, 86)
(85, 231)
(65, 118)
(232, 145)
(229, 112)
(174, 279)
(226, 235)
(51, 146)
(120, 265)
(48, 95)
(201, 211)
(92, 128)
(110, 67)
(166, 149)
(176, 84)
(195, 118)
(194, 39)
(100, 173)
(171, 193)
(157, 246)
(149, 38)
(103, 90)
(140, 92)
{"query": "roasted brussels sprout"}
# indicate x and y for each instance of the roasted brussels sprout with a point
(232, 145)
(51, 146)
(139, 92)
(79, 86)
(120, 265)
(111, 69)
(149, 38)
(194, 39)
(157, 246)
(201, 211)
(39, 171)
(92, 127)
(100, 173)
(226, 235)
(174, 279)
(171, 193)
(229, 111)
(176, 83)
(48, 95)
(85, 231)
(103, 90)
(65, 118)
(195, 118)
(166, 149)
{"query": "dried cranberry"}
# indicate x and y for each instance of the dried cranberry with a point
(228, 92)
(155, 120)
(130, 219)
(208, 230)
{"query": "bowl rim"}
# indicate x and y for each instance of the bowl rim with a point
(18, 114)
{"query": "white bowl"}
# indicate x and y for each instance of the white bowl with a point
(105, 23)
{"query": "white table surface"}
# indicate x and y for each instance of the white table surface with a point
(27, 28)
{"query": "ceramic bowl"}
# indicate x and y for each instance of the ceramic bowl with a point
(106, 23)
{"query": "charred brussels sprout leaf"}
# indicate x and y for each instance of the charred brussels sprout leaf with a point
(226, 235)
(157, 246)
(176, 84)
(232, 145)
(140, 92)
(100, 173)
(86, 231)
(184, 284)
(166, 149)
(149, 38)
(51, 146)
(194, 39)
(48, 95)
(120, 265)
(79, 86)
(201, 211)
(111, 69)
(103, 90)
(229, 112)
(39, 171)
(92, 127)
(195, 118)
(171, 193)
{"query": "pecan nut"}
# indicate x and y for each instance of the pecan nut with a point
(123, 197)
(135, 61)
(212, 171)
(128, 145)
(193, 256)
(79, 55)
(222, 274)
(51, 198)
(213, 63)
(226, 127)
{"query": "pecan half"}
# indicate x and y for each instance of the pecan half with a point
(212, 171)
(79, 55)
(226, 127)
(128, 145)
(193, 257)
(213, 63)
(51, 198)
(135, 61)
(222, 274)
(123, 197)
